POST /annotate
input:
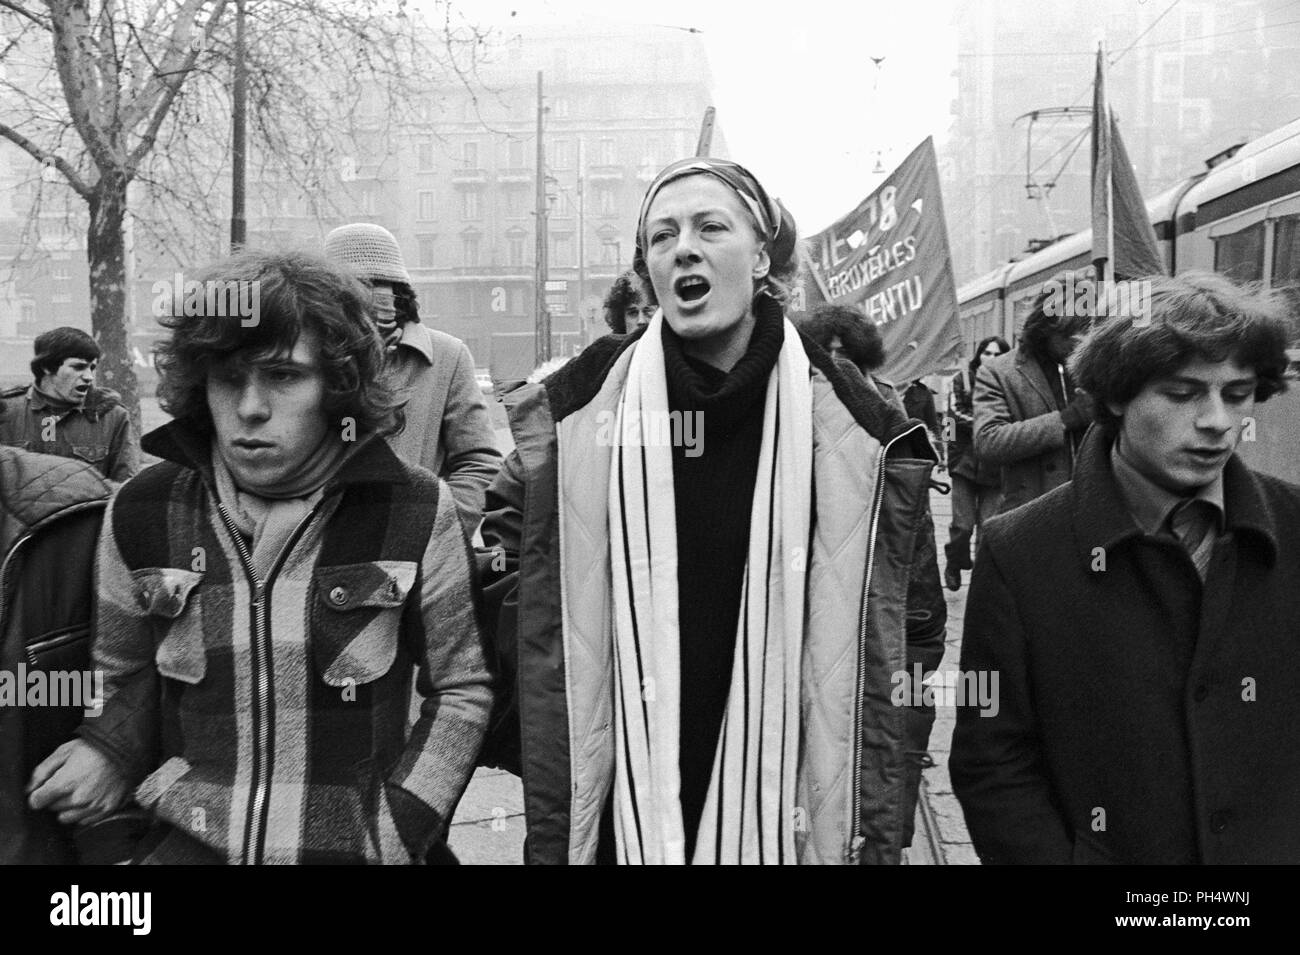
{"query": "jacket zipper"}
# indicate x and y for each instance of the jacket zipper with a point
(251, 851)
(858, 840)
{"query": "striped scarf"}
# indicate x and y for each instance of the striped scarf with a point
(749, 811)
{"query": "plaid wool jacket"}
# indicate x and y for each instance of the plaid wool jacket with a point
(267, 718)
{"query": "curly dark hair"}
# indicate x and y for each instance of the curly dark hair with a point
(405, 303)
(859, 338)
(1195, 315)
(296, 292)
(627, 288)
(1044, 321)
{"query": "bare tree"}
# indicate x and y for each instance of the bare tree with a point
(143, 98)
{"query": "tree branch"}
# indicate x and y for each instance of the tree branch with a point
(23, 12)
(47, 158)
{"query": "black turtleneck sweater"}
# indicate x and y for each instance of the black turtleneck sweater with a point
(714, 493)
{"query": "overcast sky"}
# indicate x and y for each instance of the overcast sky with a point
(799, 99)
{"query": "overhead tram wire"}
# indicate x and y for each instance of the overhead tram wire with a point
(1082, 95)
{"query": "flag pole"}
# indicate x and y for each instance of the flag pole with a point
(1108, 268)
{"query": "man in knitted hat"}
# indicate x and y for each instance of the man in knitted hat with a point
(447, 426)
(64, 414)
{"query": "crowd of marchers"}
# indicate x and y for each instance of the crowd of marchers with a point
(331, 599)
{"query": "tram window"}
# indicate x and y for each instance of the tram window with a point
(1286, 251)
(1240, 256)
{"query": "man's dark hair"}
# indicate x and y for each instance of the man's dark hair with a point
(405, 304)
(1195, 315)
(627, 288)
(859, 338)
(1040, 325)
(56, 346)
(297, 292)
(976, 361)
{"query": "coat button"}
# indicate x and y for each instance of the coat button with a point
(1200, 693)
(1219, 820)
(338, 596)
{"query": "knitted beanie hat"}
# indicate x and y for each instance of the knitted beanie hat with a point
(370, 250)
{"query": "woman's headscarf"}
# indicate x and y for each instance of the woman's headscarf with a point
(775, 223)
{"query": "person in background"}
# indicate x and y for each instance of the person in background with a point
(1143, 617)
(843, 332)
(918, 400)
(64, 414)
(629, 303)
(1029, 417)
(447, 428)
(50, 514)
(683, 621)
(976, 485)
(264, 596)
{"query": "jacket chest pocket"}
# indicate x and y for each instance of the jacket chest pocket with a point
(91, 453)
(169, 596)
(356, 619)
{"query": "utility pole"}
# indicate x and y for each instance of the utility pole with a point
(542, 331)
(238, 221)
(582, 250)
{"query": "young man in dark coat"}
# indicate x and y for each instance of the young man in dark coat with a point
(1143, 618)
(1029, 418)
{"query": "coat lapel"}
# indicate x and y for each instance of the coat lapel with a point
(1032, 372)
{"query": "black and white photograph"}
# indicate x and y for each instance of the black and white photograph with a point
(557, 432)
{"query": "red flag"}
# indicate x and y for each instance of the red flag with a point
(1122, 236)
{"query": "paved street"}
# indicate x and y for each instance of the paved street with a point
(937, 789)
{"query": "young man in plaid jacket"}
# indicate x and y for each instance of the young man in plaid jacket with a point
(264, 596)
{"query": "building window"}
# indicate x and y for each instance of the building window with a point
(653, 150)
(562, 251)
(561, 108)
(467, 300)
(563, 205)
(469, 250)
(515, 247)
(515, 154)
(516, 203)
(369, 201)
(606, 152)
(60, 272)
(426, 204)
(469, 204)
(469, 154)
(562, 154)
(424, 156)
(425, 243)
(605, 204)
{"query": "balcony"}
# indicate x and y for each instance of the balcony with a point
(604, 173)
(515, 174)
(465, 176)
